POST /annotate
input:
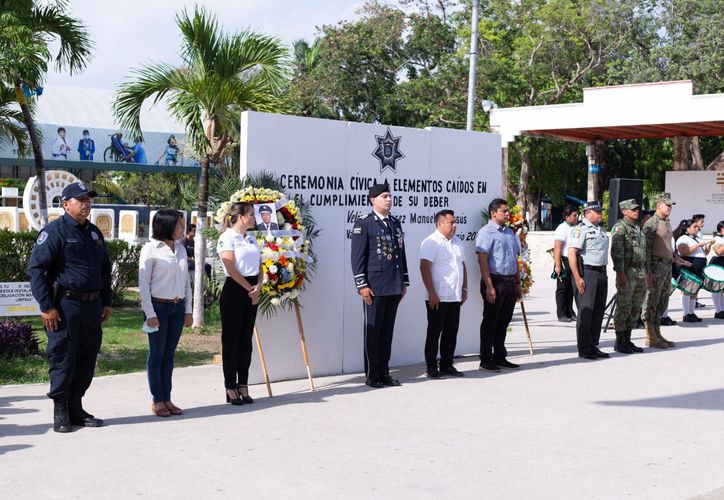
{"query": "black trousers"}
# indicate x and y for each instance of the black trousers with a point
(442, 328)
(238, 316)
(591, 306)
(496, 318)
(564, 292)
(379, 327)
(72, 350)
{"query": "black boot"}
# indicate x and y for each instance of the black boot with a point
(631, 345)
(61, 418)
(621, 345)
(80, 417)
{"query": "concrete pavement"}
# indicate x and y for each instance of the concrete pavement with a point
(638, 426)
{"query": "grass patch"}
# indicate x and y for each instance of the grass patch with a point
(124, 348)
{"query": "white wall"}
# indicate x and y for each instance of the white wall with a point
(332, 311)
(697, 192)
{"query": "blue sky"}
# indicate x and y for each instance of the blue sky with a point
(132, 32)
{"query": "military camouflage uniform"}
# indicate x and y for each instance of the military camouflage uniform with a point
(659, 254)
(628, 253)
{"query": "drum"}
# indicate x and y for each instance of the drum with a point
(713, 278)
(689, 283)
(674, 283)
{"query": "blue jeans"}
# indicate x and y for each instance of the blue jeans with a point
(162, 347)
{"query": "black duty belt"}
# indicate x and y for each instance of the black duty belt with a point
(503, 277)
(80, 296)
(600, 269)
(167, 301)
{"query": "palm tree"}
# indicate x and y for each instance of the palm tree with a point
(220, 75)
(27, 31)
(10, 121)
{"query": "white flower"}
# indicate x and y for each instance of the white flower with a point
(265, 279)
(275, 301)
(273, 269)
(280, 241)
(287, 226)
(269, 237)
(290, 267)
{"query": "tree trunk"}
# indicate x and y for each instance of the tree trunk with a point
(681, 153)
(37, 152)
(200, 245)
(697, 161)
(717, 163)
(534, 208)
(522, 198)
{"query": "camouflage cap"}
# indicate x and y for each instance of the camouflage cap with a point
(628, 204)
(664, 198)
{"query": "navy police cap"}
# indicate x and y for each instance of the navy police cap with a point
(76, 190)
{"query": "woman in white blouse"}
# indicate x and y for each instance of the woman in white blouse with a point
(693, 250)
(718, 259)
(163, 281)
(240, 255)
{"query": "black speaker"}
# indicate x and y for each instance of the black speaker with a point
(619, 190)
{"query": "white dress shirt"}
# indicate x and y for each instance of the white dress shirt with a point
(164, 274)
(246, 251)
(447, 259)
(562, 234)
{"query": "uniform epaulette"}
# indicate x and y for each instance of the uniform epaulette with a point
(363, 217)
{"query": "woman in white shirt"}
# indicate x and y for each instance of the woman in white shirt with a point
(163, 281)
(693, 250)
(240, 255)
(718, 260)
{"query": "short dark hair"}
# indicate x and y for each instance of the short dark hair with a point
(720, 226)
(443, 213)
(568, 210)
(190, 228)
(164, 222)
(61, 129)
(86, 132)
(495, 205)
(697, 217)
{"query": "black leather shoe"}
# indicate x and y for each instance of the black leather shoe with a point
(375, 384)
(565, 319)
(719, 315)
(696, 318)
(573, 317)
(246, 399)
(666, 321)
(452, 371)
(587, 355)
(504, 363)
(689, 318)
(699, 305)
(89, 421)
(236, 401)
(489, 366)
(61, 419)
(390, 382)
(599, 353)
(433, 373)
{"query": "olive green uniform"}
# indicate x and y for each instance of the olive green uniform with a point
(628, 253)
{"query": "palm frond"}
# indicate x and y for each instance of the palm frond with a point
(11, 122)
(72, 34)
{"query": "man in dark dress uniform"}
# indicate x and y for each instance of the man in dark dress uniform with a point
(379, 266)
(70, 277)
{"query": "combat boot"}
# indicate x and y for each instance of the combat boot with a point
(661, 337)
(651, 339)
(621, 345)
(631, 345)
(61, 417)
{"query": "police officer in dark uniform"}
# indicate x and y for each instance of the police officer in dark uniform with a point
(379, 266)
(70, 277)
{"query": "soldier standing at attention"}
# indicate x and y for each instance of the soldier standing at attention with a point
(379, 266)
(628, 252)
(659, 255)
(70, 277)
(590, 242)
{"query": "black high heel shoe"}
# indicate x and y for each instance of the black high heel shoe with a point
(246, 399)
(237, 401)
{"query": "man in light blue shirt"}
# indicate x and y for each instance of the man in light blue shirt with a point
(497, 247)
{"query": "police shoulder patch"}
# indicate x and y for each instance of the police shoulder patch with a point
(576, 233)
(357, 230)
(41, 238)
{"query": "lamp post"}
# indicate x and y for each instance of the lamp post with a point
(473, 64)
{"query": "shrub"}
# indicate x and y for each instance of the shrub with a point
(15, 249)
(124, 258)
(17, 339)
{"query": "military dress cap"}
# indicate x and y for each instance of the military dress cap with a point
(76, 190)
(664, 198)
(628, 204)
(378, 189)
(592, 205)
(265, 208)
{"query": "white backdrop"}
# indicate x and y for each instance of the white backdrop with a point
(331, 164)
(697, 192)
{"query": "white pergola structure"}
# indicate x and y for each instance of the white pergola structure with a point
(640, 111)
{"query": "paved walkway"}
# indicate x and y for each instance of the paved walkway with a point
(640, 426)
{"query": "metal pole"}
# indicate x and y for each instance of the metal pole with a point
(473, 64)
